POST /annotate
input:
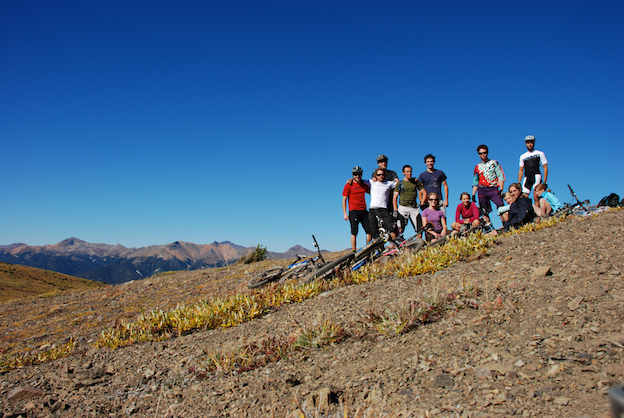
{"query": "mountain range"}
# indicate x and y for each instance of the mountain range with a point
(114, 264)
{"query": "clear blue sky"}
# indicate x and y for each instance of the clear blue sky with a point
(146, 122)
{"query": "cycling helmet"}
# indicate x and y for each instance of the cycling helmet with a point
(529, 138)
(381, 158)
(357, 170)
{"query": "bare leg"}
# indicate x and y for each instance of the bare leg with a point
(353, 246)
(545, 207)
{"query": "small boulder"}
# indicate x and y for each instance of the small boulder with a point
(20, 393)
(542, 271)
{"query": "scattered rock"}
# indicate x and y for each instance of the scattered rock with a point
(20, 393)
(444, 380)
(542, 271)
(483, 373)
(575, 303)
(477, 255)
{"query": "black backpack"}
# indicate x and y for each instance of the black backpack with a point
(612, 200)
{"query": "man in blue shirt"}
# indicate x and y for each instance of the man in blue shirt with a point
(433, 180)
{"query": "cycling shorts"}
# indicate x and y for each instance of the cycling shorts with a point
(386, 220)
(357, 217)
(530, 181)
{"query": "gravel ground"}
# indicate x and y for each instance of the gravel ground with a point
(544, 337)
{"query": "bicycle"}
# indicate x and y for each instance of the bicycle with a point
(372, 252)
(334, 267)
(300, 268)
(570, 208)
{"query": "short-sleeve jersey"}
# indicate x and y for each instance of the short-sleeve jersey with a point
(380, 192)
(531, 161)
(356, 194)
(432, 181)
(408, 192)
(435, 217)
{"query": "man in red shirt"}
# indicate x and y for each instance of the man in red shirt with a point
(355, 193)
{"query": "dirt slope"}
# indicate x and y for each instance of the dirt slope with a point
(546, 339)
(18, 282)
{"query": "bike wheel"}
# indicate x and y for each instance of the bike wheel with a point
(295, 273)
(414, 245)
(372, 246)
(260, 279)
(439, 241)
(329, 268)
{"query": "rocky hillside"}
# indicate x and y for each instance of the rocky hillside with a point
(532, 328)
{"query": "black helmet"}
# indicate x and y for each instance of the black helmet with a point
(381, 158)
(357, 170)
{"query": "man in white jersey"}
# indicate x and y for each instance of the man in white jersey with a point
(530, 164)
(380, 192)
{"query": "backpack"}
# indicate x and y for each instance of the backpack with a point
(612, 200)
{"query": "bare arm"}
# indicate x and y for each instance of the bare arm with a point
(395, 200)
(344, 208)
(445, 184)
(545, 173)
(520, 175)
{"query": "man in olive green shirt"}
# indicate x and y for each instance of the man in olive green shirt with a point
(407, 196)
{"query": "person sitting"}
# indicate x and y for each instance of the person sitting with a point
(520, 212)
(436, 216)
(503, 211)
(545, 201)
(466, 214)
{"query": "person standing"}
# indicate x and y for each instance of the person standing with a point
(433, 180)
(406, 199)
(389, 175)
(489, 181)
(530, 164)
(380, 190)
(355, 194)
(382, 162)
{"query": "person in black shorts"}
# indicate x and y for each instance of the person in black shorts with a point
(530, 164)
(354, 193)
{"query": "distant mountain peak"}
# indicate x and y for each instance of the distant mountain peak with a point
(72, 241)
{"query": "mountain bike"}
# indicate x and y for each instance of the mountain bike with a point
(570, 208)
(372, 252)
(302, 266)
(372, 248)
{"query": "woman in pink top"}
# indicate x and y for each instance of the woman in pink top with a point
(467, 213)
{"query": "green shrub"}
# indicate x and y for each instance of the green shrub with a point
(258, 254)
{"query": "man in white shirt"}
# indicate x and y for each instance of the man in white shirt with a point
(380, 191)
(530, 164)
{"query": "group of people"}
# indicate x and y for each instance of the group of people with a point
(397, 202)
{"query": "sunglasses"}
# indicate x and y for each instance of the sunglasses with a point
(483, 153)
(433, 200)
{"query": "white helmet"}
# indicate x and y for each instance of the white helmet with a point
(529, 138)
